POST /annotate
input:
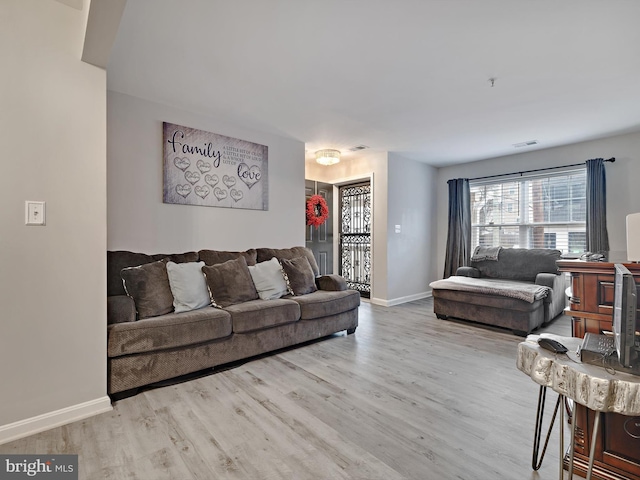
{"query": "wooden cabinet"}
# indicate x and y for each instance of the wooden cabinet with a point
(617, 452)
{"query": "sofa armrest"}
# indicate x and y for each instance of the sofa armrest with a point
(546, 279)
(556, 300)
(331, 283)
(472, 272)
(120, 308)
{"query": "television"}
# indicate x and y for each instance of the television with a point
(624, 316)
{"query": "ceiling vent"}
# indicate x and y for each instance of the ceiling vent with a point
(530, 143)
(357, 148)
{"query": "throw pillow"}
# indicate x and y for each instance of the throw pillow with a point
(298, 275)
(148, 285)
(264, 254)
(268, 279)
(230, 283)
(188, 286)
(116, 261)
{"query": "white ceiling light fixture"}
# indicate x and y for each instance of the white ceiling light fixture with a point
(328, 157)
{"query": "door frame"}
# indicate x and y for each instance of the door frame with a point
(336, 222)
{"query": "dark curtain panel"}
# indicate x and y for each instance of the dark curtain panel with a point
(459, 235)
(597, 236)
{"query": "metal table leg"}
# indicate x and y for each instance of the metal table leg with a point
(573, 444)
(536, 460)
(561, 428)
(594, 436)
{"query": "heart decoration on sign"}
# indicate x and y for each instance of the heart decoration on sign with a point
(192, 177)
(236, 194)
(183, 190)
(182, 163)
(212, 179)
(219, 193)
(202, 191)
(228, 181)
(249, 175)
(203, 166)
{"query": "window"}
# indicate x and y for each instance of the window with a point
(536, 211)
(549, 240)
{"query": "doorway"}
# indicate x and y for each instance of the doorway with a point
(355, 236)
(320, 240)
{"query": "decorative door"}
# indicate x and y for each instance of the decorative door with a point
(355, 236)
(320, 240)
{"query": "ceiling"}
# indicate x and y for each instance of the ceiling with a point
(405, 76)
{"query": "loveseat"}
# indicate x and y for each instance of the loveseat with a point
(169, 315)
(516, 288)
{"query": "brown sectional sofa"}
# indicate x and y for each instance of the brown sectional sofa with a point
(517, 268)
(145, 351)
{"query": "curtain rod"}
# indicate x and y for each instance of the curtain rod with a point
(612, 159)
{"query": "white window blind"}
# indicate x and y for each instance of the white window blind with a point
(531, 211)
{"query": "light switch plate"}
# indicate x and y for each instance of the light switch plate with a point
(34, 213)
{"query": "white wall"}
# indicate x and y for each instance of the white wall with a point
(412, 205)
(139, 221)
(52, 278)
(623, 192)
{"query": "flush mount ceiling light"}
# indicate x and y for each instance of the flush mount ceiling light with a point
(328, 157)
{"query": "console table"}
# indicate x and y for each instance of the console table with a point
(592, 387)
(617, 455)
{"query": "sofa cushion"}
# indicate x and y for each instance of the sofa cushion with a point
(116, 261)
(120, 308)
(213, 257)
(520, 264)
(230, 283)
(324, 303)
(268, 279)
(505, 304)
(264, 254)
(119, 259)
(331, 282)
(148, 285)
(188, 286)
(298, 276)
(260, 314)
(168, 331)
(177, 257)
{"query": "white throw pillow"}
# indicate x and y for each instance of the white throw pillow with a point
(268, 279)
(188, 286)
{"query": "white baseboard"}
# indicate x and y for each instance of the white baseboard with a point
(46, 421)
(399, 300)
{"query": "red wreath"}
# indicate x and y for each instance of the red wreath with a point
(317, 211)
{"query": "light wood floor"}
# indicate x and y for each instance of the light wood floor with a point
(407, 397)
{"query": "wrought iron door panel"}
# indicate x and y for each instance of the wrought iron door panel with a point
(355, 236)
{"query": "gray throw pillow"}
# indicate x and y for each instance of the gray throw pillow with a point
(230, 283)
(149, 287)
(116, 261)
(298, 275)
(265, 254)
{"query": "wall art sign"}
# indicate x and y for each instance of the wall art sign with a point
(204, 168)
